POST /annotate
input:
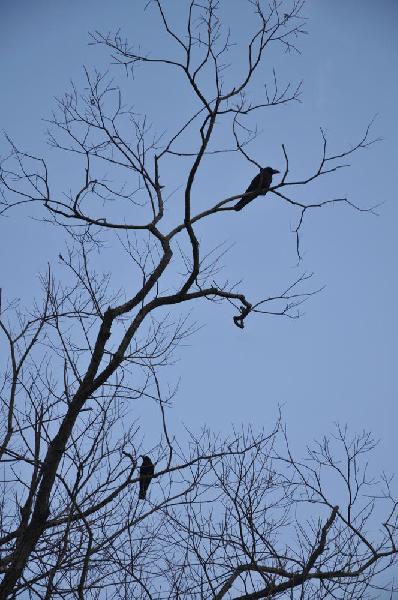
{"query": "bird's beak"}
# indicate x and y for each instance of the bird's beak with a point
(275, 171)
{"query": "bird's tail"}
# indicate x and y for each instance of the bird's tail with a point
(144, 484)
(239, 205)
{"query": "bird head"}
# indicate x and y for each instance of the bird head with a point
(146, 460)
(269, 170)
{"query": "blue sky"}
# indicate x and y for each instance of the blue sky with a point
(336, 363)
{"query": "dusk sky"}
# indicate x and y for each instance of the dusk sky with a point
(338, 361)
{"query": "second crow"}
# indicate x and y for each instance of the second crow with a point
(258, 187)
(147, 470)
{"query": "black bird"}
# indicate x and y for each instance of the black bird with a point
(147, 470)
(258, 187)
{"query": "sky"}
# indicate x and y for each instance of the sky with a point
(337, 363)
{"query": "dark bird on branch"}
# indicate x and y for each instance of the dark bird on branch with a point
(147, 470)
(258, 187)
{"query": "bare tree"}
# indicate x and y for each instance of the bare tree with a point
(71, 522)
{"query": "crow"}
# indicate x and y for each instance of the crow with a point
(147, 470)
(258, 187)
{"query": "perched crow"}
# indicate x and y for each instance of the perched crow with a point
(258, 187)
(146, 473)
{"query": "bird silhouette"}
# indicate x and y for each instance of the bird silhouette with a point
(147, 470)
(259, 186)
